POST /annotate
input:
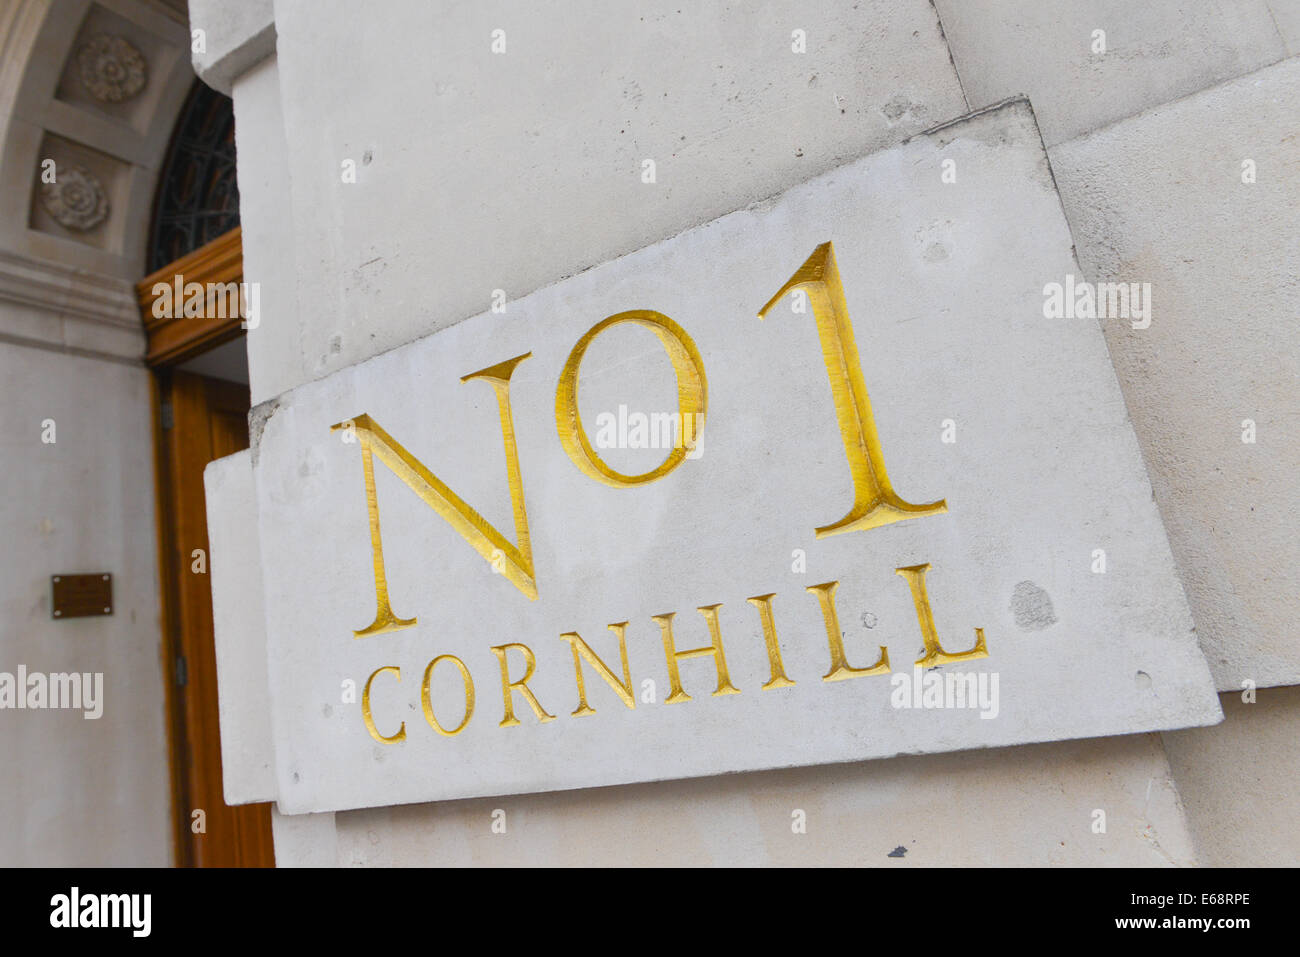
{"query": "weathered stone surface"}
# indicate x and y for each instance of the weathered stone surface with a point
(944, 285)
(235, 37)
(1286, 14)
(239, 627)
(1237, 781)
(1155, 51)
(1030, 806)
(266, 228)
(1160, 198)
(75, 436)
(307, 840)
(477, 171)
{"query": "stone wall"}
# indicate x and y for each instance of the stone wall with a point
(477, 171)
(89, 92)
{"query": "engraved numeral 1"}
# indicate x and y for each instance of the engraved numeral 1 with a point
(875, 502)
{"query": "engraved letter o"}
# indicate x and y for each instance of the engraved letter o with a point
(692, 398)
(426, 701)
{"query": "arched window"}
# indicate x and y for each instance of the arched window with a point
(197, 198)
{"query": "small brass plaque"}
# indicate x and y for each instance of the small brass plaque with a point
(79, 596)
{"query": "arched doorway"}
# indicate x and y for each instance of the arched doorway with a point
(195, 307)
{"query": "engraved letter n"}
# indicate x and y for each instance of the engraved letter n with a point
(516, 563)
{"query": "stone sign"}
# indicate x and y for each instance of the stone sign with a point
(818, 481)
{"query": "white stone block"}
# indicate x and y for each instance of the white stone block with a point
(228, 37)
(1032, 806)
(472, 171)
(1160, 198)
(306, 840)
(944, 284)
(1237, 781)
(1149, 53)
(239, 629)
(266, 231)
(1286, 14)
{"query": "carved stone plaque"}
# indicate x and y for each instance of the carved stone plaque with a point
(624, 529)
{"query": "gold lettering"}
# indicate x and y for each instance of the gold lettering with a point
(622, 688)
(673, 656)
(840, 668)
(428, 704)
(516, 563)
(369, 718)
(764, 605)
(508, 686)
(874, 501)
(692, 398)
(934, 653)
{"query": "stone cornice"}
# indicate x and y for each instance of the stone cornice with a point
(238, 35)
(67, 291)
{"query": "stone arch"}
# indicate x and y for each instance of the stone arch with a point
(90, 93)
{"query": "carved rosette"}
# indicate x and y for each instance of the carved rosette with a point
(76, 199)
(112, 70)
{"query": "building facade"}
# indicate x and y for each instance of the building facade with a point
(421, 184)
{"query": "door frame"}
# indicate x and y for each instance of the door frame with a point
(173, 338)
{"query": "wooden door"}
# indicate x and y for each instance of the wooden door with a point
(200, 419)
